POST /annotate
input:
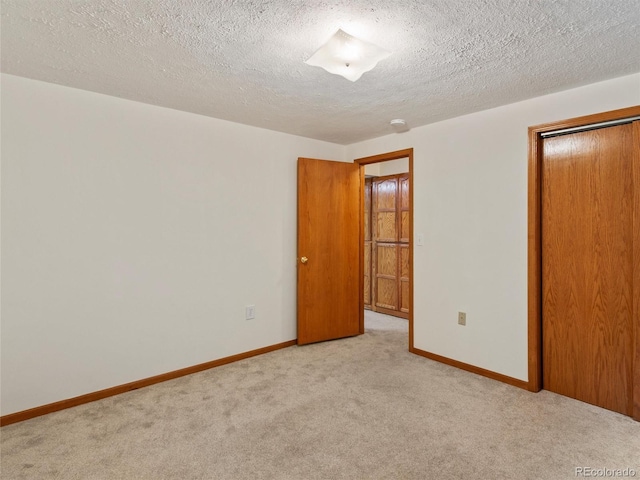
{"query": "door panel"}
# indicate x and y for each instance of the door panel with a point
(385, 193)
(386, 226)
(367, 244)
(329, 283)
(404, 278)
(404, 227)
(385, 204)
(386, 276)
(367, 274)
(404, 209)
(367, 210)
(587, 245)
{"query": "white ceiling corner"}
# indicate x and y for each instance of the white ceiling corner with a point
(243, 61)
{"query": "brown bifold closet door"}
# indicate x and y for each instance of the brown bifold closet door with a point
(588, 265)
(329, 281)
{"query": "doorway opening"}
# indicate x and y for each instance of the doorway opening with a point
(386, 239)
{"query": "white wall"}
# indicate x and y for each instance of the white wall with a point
(394, 167)
(391, 167)
(470, 201)
(373, 169)
(133, 236)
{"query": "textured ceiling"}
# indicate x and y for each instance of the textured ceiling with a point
(244, 60)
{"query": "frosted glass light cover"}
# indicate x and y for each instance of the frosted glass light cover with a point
(348, 56)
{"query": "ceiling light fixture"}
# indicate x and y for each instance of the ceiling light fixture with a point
(348, 56)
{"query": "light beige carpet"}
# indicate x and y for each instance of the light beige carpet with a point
(358, 408)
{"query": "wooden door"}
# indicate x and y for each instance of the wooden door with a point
(329, 281)
(390, 266)
(587, 266)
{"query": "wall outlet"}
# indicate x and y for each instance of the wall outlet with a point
(250, 312)
(462, 318)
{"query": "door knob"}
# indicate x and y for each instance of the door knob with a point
(304, 260)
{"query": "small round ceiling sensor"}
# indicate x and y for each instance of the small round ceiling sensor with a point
(399, 125)
(398, 122)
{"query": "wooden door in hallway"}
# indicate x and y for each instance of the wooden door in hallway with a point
(588, 262)
(329, 280)
(390, 245)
